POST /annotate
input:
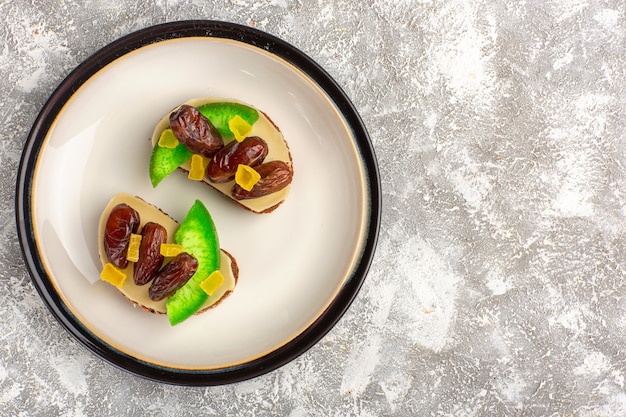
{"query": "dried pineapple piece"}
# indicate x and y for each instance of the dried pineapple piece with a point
(133, 248)
(239, 127)
(168, 140)
(198, 167)
(113, 275)
(212, 282)
(246, 177)
(169, 250)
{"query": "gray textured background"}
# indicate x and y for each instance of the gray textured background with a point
(498, 285)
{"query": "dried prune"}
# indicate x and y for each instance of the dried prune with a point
(251, 151)
(195, 131)
(275, 176)
(122, 222)
(173, 276)
(150, 258)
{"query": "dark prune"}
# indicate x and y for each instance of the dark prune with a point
(275, 176)
(150, 258)
(122, 222)
(195, 131)
(251, 151)
(173, 276)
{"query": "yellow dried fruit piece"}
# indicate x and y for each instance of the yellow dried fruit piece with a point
(169, 250)
(133, 248)
(212, 282)
(112, 275)
(198, 167)
(240, 128)
(246, 177)
(168, 140)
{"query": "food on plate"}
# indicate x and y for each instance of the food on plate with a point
(229, 145)
(174, 269)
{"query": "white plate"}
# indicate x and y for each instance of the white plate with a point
(300, 266)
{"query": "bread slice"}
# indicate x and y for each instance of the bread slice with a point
(265, 128)
(138, 295)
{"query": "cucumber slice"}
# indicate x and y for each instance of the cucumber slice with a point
(164, 161)
(198, 235)
(220, 113)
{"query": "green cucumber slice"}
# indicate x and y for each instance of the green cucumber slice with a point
(164, 161)
(220, 113)
(198, 235)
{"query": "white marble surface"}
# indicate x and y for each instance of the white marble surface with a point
(498, 285)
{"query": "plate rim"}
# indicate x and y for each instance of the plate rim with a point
(63, 93)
